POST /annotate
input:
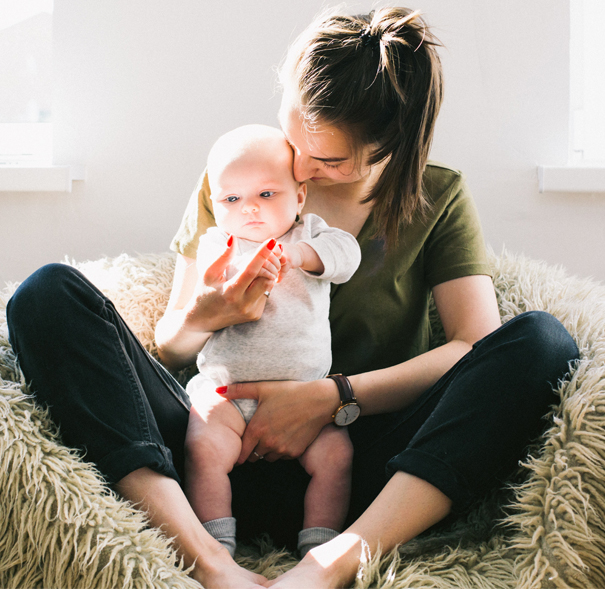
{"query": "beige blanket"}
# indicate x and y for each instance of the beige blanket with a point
(61, 527)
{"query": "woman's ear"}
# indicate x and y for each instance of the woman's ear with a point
(302, 196)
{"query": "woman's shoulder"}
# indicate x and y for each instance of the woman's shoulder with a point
(440, 179)
(441, 170)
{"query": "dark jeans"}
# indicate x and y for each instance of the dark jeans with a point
(125, 411)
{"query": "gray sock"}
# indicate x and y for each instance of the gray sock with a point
(223, 530)
(312, 537)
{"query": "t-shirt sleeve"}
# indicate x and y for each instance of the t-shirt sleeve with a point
(455, 246)
(197, 219)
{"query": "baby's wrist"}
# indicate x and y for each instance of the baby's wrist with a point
(300, 252)
(310, 260)
(293, 254)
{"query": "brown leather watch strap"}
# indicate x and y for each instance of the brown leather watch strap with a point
(344, 388)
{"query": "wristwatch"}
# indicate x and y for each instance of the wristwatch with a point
(349, 409)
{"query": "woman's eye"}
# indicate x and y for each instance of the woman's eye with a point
(331, 166)
(267, 193)
(232, 198)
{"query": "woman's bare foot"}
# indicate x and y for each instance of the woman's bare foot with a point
(329, 566)
(223, 572)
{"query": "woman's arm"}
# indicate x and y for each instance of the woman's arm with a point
(291, 414)
(468, 310)
(200, 305)
(176, 344)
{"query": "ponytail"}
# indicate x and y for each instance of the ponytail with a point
(378, 78)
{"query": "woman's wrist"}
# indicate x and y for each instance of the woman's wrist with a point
(177, 344)
(329, 399)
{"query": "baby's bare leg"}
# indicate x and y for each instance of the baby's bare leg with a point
(212, 446)
(328, 461)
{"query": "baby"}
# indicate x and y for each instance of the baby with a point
(255, 198)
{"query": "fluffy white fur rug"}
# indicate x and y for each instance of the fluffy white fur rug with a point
(61, 527)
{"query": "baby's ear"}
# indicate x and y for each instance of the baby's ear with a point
(302, 196)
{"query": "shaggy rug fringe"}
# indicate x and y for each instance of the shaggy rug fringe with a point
(60, 526)
(559, 512)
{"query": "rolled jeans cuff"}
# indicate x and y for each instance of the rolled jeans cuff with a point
(435, 471)
(116, 465)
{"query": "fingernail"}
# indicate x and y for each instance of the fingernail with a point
(221, 390)
(271, 244)
(230, 241)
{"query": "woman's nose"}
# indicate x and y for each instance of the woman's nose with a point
(303, 167)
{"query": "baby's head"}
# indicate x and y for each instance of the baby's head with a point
(253, 191)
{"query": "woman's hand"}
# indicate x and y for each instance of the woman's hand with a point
(289, 416)
(218, 302)
(201, 303)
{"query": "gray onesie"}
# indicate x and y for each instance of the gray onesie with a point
(291, 341)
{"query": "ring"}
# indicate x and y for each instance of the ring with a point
(257, 454)
(267, 294)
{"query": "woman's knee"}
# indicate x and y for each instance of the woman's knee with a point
(43, 289)
(544, 338)
(46, 295)
(44, 306)
(524, 360)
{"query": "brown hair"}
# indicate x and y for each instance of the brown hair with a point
(378, 78)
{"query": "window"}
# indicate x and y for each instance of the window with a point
(588, 81)
(585, 169)
(26, 89)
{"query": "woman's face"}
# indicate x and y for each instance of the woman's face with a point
(322, 155)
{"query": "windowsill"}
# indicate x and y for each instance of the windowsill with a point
(39, 178)
(572, 178)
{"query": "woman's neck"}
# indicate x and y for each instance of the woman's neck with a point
(337, 207)
(341, 205)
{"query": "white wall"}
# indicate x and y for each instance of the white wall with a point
(144, 87)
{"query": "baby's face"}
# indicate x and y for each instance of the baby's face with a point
(255, 196)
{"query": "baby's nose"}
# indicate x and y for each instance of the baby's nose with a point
(250, 207)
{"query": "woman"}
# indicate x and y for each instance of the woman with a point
(438, 428)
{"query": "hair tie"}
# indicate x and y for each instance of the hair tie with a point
(367, 38)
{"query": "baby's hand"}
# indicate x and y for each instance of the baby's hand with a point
(299, 255)
(291, 258)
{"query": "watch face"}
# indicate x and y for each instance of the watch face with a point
(347, 414)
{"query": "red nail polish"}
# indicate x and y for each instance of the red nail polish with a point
(271, 244)
(221, 390)
(230, 241)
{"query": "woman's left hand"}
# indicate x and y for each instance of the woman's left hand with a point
(289, 416)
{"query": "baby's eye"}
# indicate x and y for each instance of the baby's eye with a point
(267, 193)
(232, 198)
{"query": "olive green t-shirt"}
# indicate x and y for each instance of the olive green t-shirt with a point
(381, 316)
